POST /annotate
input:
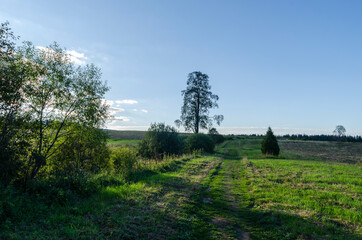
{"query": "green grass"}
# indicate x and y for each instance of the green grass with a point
(158, 204)
(316, 199)
(128, 135)
(130, 143)
(234, 194)
(284, 198)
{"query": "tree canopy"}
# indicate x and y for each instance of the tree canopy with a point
(340, 131)
(198, 100)
(42, 94)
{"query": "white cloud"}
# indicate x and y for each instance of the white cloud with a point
(107, 102)
(144, 110)
(113, 111)
(119, 118)
(116, 109)
(138, 128)
(74, 56)
(127, 101)
(77, 57)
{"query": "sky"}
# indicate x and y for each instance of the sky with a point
(293, 65)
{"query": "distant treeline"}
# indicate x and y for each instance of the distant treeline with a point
(322, 138)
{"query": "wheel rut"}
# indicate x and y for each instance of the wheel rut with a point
(229, 222)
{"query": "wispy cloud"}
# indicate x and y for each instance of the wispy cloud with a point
(114, 110)
(144, 110)
(126, 101)
(119, 118)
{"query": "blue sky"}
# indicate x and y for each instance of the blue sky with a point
(293, 65)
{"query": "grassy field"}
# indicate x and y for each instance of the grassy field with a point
(159, 204)
(234, 194)
(290, 199)
(125, 135)
(329, 151)
(130, 143)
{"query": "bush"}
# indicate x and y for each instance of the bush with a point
(269, 145)
(199, 141)
(123, 160)
(62, 188)
(85, 149)
(214, 134)
(160, 140)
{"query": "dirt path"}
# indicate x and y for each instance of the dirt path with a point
(226, 211)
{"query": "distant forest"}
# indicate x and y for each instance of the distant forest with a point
(323, 138)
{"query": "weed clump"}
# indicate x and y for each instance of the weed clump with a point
(124, 160)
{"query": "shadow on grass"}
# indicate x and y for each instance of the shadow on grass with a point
(154, 206)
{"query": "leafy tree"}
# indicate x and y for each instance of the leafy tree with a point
(213, 131)
(16, 75)
(198, 99)
(63, 94)
(340, 131)
(160, 139)
(42, 94)
(199, 141)
(269, 145)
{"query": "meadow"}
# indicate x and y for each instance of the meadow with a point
(235, 193)
(292, 199)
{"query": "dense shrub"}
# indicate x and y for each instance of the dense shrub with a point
(199, 141)
(214, 134)
(269, 145)
(62, 188)
(160, 140)
(85, 149)
(123, 160)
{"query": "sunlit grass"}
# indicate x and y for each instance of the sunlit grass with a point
(318, 190)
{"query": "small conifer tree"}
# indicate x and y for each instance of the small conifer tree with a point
(269, 145)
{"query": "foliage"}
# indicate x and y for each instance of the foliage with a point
(83, 148)
(62, 188)
(61, 95)
(15, 74)
(123, 160)
(198, 99)
(160, 140)
(214, 134)
(42, 94)
(340, 131)
(204, 198)
(322, 137)
(199, 141)
(269, 145)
